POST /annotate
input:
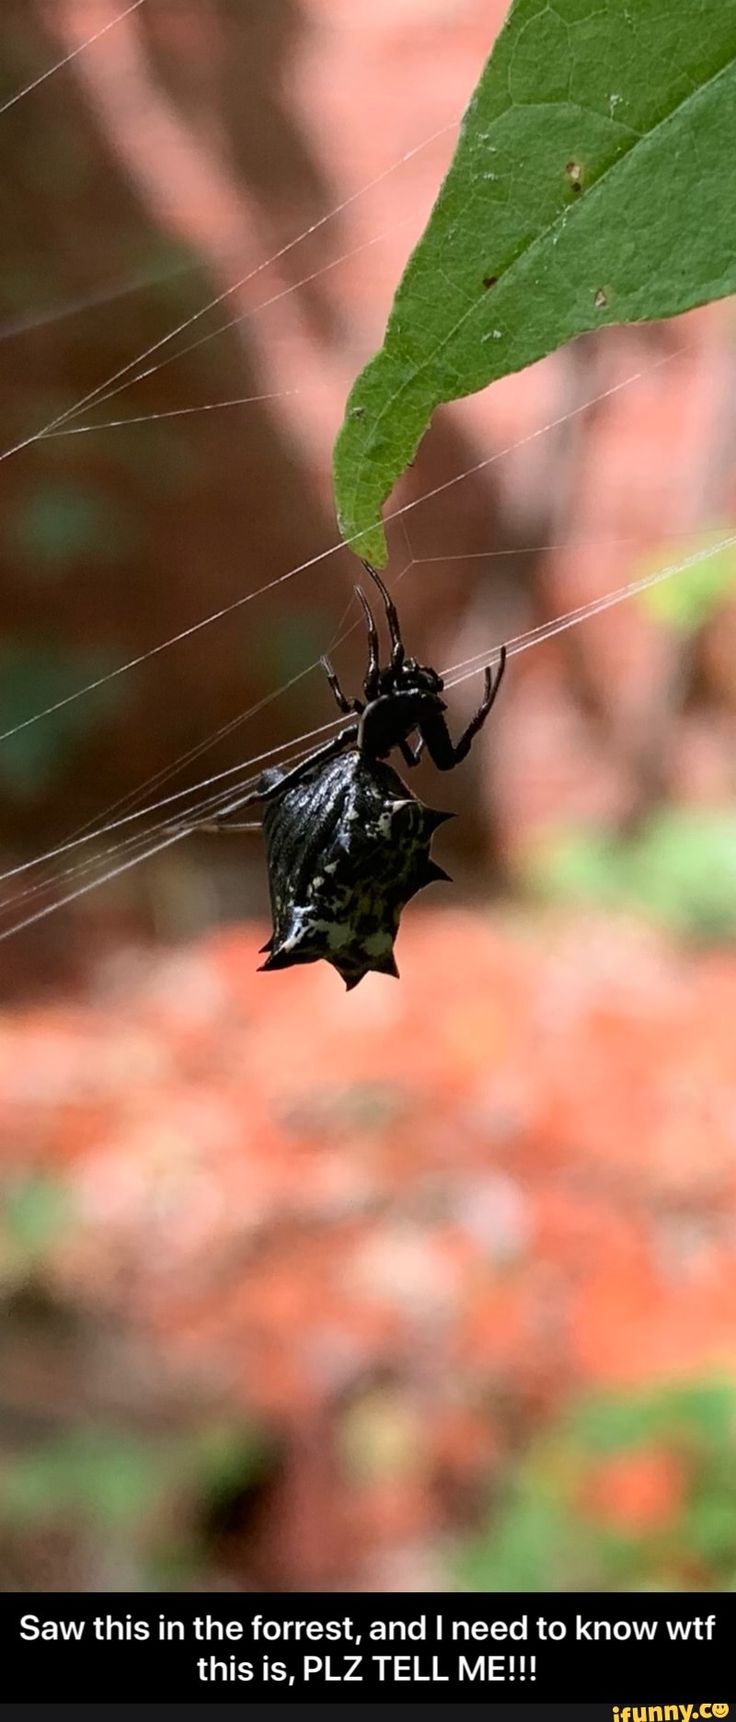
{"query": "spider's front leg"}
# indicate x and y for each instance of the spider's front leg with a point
(220, 821)
(342, 700)
(371, 681)
(398, 652)
(320, 756)
(287, 780)
(442, 751)
(411, 755)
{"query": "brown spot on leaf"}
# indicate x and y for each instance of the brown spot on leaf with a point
(574, 172)
(601, 300)
(489, 280)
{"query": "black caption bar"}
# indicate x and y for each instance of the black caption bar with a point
(280, 1712)
(647, 1658)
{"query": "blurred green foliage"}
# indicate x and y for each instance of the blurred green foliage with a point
(679, 870)
(696, 594)
(297, 638)
(112, 1478)
(71, 521)
(550, 1535)
(33, 677)
(134, 1477)
(35, 1211)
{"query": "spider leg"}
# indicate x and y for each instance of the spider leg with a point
(345, 704)
(329, 750)
(411, 755)
(371, 684)
(218, 822)
(392, 617)
(218, 825)
(436, 735)
(491, 687)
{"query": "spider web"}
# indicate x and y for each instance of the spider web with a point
(127, 833)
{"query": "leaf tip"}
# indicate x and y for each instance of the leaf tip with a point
(369, 543)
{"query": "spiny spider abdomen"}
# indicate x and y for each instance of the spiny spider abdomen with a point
(347, 844)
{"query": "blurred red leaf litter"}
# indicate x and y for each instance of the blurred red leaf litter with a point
(509, 1178)
(524, 1142)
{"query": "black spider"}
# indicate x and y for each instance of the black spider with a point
(347, 843)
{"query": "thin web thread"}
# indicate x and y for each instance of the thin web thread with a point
(459, 673)
(341, 544)
(97, 396)
(243, 316)
(211, 305)
(60, 64)
(85, 835)
(175, 413)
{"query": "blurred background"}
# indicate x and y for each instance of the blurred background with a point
(434, 1285)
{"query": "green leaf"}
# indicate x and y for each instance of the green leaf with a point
(594, 182)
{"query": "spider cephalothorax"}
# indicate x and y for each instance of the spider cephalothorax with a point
(347, 843)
